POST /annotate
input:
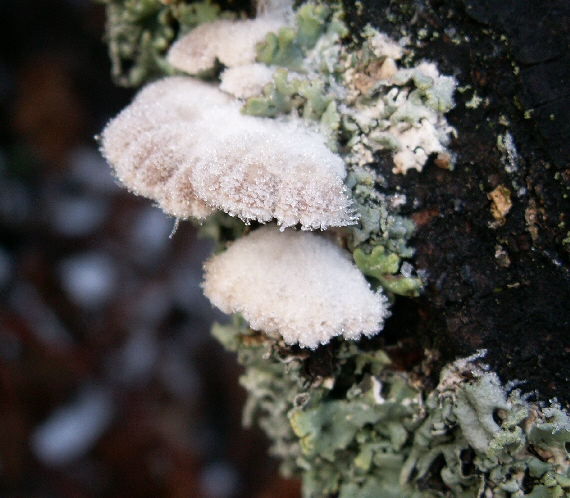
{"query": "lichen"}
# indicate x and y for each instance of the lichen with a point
(364, 429)
(380, 106)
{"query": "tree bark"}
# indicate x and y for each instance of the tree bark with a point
(500, 284)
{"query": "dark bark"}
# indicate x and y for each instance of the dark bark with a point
(506, 288)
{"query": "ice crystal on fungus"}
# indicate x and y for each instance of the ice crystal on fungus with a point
(298, 284)
(185, 144)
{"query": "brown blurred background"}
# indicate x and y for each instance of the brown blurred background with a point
(110, 384)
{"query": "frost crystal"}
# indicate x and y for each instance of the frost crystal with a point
(298, 284)
(185, 144)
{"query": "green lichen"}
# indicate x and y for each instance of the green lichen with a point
(284, 94)
(278, 97)
(362, 429)
(379, 240)
(316, 101)
(288, 47)
(281, 49)
(139, 34)
(291, 50)
(311, 22)
(383, 267)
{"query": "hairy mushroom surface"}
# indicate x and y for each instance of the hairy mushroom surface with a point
(185, 144)
(297, 284)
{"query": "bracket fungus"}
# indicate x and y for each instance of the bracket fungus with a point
(185, 144)
(298, 284)
(233, 43)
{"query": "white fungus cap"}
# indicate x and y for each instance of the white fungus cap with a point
(298, 284)
(233, 43)
(185, 144)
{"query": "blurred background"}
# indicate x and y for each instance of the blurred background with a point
(110, 384)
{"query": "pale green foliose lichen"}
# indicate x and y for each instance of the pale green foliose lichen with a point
(379, 239)
(365, 430)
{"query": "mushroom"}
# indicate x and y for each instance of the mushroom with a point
(233, 43)
(297, 284)
(185, 144)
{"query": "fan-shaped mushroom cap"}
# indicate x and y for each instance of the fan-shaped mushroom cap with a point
(185, 144)
(298, 284)
(246, 81)
(233, 43)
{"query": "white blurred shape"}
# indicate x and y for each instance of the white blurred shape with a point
(138, 357)
(43, 321)
(90, 279)
(219, 480)
(70, 431)
(149, 236)
(78, 216)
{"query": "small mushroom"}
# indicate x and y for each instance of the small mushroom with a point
(233, 43)
(297, 284)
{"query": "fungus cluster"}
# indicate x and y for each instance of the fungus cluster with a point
(186, 144)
